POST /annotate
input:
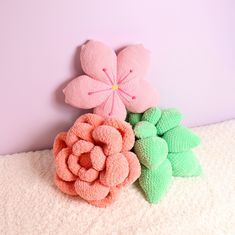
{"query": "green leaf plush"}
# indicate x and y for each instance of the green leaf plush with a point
(151, 151)
(180, 139)
(134, 118)
(164, 148)
(156, 182)
(152, 115)
(144, 129)
(184, 164)
(170, 118)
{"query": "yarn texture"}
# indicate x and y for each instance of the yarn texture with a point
(93, 159)
(113, 83)
(164, 148)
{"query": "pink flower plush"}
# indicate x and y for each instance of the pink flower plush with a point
(113, 82)
(93, 159)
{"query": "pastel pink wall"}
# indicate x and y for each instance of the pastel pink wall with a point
(193, 59)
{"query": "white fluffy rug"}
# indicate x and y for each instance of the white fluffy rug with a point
(31, 204)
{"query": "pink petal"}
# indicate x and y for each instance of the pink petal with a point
(91, 191)
(97, 57)
(65, 187)
(112, 107)
(144, 96)
(134, 168)
(116, 170)
(86, 93)
(132, 63)
(109, 199)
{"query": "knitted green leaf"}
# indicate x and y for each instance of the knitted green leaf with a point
(151, 151)
(144, 129)
(152, 115)
(164, 151)
(180, 139)
(170, 118)
(134, 118)
(184, 164)
(155, 183)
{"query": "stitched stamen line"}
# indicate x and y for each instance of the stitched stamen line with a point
(111, 112)
(132, 97)
(94, 92)
(124, 78)
(123, 96)
(106, 73)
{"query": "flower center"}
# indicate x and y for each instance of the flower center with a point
(114, 87)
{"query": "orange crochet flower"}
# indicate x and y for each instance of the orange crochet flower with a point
(93, 159)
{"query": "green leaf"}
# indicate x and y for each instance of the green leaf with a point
(151, 151)
(180, 139)
(184, 164)
(155, 183)
(170, 118)
(144, 129)
(152, 115)
(134, 118)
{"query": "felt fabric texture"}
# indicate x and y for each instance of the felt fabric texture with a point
(31, 203)
(93, 159)
(163, 147)
(113, 82)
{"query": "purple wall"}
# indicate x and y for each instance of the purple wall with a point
(193, 59)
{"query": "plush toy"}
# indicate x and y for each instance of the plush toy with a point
(163, 147)
(113, 83)
(93, 159)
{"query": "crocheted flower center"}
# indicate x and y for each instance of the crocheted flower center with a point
(85, 160)
(114, 87)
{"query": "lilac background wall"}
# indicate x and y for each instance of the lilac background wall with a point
(193, 59)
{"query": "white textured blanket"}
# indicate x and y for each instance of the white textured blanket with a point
(31, 204)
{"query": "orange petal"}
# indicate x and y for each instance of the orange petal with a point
(97, 158)
(89, 175)
(82, 130)
(116, 170)
(128, 137)
(134, 168)
(61, 166)
(71, 138)
(79, 131)
(65, 187)
(91, 191)
(109, 199)
(108, 136)
(92, 119)
(59, 143)
(82, 146)
(73, 164)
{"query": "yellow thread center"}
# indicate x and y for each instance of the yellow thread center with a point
(114, 87)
